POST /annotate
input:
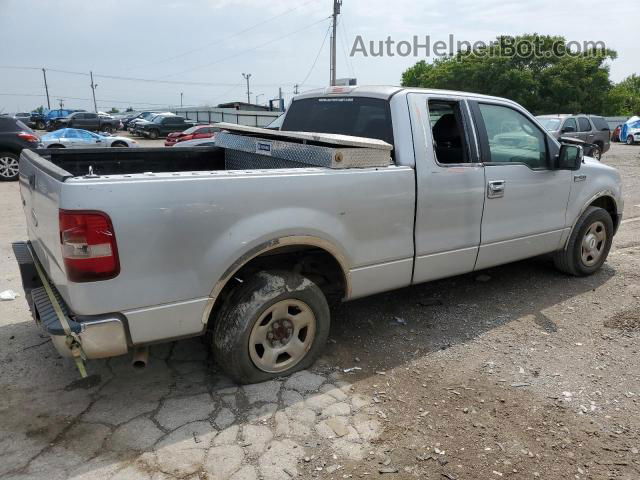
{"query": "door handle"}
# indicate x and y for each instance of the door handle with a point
(495, 189)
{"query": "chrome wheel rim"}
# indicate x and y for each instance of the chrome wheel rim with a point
(282, 336)
(8, 167)
(596, 153)
(593, 244)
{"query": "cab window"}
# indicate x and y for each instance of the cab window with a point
(513, 138)
(447, 132)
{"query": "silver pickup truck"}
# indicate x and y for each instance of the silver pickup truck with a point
(130, 248)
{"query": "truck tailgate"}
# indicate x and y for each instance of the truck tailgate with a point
(40, 187)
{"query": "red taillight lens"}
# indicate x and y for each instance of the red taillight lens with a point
(89, 246)
(28, 137)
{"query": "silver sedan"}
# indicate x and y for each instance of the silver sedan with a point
(77, 138)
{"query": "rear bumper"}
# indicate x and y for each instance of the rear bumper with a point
(100, 336)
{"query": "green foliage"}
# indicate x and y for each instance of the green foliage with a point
(129, 109)
(624, 97)
(548, 80)
(40, 109)
(113, 110)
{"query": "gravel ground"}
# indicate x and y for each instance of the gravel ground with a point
(517, 372)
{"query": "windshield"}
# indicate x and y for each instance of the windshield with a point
(551, 124)
(276, 124)
(357, 116)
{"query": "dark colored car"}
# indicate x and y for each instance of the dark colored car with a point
(87, 121)
(615, 135)
(14, 136)
(163, 125)
(129, 119)
(199, 131)
(587, 128)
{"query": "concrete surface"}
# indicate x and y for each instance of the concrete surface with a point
(520, 372)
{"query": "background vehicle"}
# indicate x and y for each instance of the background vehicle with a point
(588, 128)
(134, 124)
(14, 136)
(87, 121)
(163, 125)
(615, 135)
(76, 138)
(254, 238)
(630, 131)
(198, 131)
(53, 115)
(24, 117)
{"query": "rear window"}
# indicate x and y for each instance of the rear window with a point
(357, 116)
(600, 123)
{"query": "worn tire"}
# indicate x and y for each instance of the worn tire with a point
(153, 134)
(597, 152)
(570, 260)
(245, 306)
(630, 140)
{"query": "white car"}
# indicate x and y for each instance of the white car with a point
(77, 138)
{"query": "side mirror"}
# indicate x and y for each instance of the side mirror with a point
(568, 130)
(570, 157)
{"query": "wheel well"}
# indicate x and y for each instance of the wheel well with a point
(315, 263)
(607, 203)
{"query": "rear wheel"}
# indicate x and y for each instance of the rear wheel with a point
(107, 128)
(589, 244)
(153, 134)
(597, 152)
(274, 324)
(8, 166)
(40, 125)
(630, 140)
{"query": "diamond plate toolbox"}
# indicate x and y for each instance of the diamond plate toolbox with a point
(244, 152)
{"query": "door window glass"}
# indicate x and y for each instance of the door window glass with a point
(585, 125)
(447, 129)
(570, 125)
(513, 138)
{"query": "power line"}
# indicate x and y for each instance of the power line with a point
(306, 27)
(215, 42)
(316, 59)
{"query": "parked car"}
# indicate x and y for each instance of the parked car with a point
(630, 131)
(198, 131)
(53, 115)
(163, 125)
(134, 125)
(14, 136)
(615, 135)
(588, 128)
(38, 120)
(77, 138)
(24, 117)
(362, 191)
(128, 117)
(87, 121)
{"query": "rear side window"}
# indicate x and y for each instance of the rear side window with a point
(600, 124)
(585, 124)
(357, 116)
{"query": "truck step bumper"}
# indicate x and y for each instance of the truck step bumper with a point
(100, 336)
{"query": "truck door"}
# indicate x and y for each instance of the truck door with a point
(526, 200)
(585, 132)
(450, 187)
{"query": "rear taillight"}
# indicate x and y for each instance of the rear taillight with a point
(29, 137)
(89, 246)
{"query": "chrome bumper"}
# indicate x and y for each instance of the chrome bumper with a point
(99, 336)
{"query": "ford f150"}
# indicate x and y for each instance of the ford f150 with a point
(253, 239)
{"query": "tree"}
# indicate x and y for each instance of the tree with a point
(129, 109)
(39, 110)
(113, 110)
(537, 71)
(624, 97)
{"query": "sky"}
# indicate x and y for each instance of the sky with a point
(202, 47)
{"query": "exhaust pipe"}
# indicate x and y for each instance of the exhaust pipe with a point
(140, 358)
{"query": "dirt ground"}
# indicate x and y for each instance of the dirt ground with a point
(515, 372)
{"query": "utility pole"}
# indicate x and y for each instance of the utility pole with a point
(61, 100)
(247, 76)
(180, 99)
(93, 91)
(296, 89)
(336, 11)
(46, 88)
(281, 106)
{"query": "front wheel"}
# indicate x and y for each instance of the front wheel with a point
(589, 244)
(153, 134)
(273, 324)
(40, 125)
(597, 152)
(630, 140)
(107, 128)
(8, 166)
